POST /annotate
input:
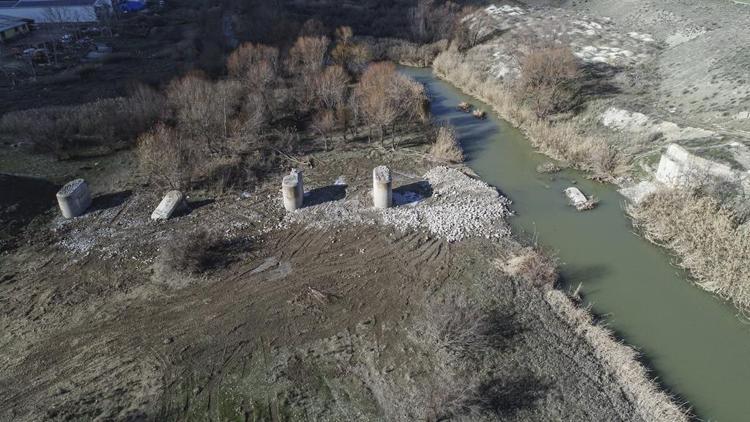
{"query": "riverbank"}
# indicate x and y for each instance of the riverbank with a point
(623, 278)
(610, 143)
(294, 299)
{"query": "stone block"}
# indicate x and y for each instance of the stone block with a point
(74, 198)
(172, 202)
(577, 198)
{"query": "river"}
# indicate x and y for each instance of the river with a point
(695, 344)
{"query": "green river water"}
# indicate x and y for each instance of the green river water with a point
(695, 344)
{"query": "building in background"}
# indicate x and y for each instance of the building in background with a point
(12, 27)
(55, 11)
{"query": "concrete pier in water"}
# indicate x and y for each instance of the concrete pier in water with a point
(382, 184)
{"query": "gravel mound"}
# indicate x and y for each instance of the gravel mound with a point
(458, 207)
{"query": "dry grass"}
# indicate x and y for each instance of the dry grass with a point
(104, 122)
(454, 337)
(404, 52)
(548, 167)
(204, 109)
(534, 267)
(558, 139)
(714, 250)
(620, 361)
(170, 160)
(446, 146)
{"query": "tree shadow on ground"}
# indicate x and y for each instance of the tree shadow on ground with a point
(330, 193)
(225, 252)
(501, 328)
(506, 396)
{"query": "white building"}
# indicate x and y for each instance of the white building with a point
(55, 11)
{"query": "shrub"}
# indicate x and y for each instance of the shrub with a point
(190, 254)
(715, 250)
(169, 158)
(307, 55)
(385, 97)
(330, 87)
(549, 80)
(462, 331)
(446, 146)
(404, 52)
(62, 129)
(534, 267)
(203, 109)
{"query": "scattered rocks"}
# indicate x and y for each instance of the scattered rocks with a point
(458, 208)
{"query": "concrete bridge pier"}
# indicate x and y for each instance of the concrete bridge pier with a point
(382, 187)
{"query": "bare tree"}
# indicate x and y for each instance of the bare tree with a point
(549, 80)
(385, 97)
(348, 54)
(203, 109)
(324, 122)
(430, 21)
(307, 56)
(256, 67)
(330, 87)
(313, 28)
(168, 157)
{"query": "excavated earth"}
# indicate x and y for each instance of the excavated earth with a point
(309, 315)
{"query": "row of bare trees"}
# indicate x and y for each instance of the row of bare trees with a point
(256, 110)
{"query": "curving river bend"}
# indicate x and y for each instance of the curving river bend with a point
(695, 343)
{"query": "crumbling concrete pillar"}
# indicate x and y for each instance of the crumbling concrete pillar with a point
(74, 198)
(172, 202)
(292, 191)
(382, 194)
